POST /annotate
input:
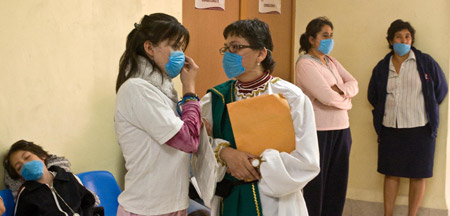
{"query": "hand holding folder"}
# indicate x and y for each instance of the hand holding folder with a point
(263, 122)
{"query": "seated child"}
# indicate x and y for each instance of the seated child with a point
(53, 160)
(51, 191)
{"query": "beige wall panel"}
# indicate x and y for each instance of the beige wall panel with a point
(59, 62)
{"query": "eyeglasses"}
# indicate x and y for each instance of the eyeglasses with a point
(232, 48)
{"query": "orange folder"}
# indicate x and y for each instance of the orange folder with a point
(263, 122)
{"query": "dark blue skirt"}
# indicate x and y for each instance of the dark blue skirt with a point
(406, 152)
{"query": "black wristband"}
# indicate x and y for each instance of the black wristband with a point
(190, 94)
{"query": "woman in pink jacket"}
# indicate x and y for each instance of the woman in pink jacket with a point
(330, 88)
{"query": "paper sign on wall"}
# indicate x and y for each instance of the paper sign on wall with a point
(210, 4)
(270, 6)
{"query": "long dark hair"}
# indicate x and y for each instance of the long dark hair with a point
(313, 27)
(257, 33)
(155, 28)
(24, 146)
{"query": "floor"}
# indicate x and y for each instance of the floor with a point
(363, 208)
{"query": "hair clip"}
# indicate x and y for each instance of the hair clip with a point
(136, 25)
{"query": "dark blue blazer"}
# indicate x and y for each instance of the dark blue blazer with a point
(434, 88)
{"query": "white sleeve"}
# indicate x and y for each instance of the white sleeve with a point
(206, 108)
(154, 116)
(284, 173)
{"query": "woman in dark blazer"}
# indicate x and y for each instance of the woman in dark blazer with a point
(405, 90)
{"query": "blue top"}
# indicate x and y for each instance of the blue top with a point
(434, 87)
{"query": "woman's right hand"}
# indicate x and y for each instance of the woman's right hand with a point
(239, 165)
(189, 75)
(336, 89)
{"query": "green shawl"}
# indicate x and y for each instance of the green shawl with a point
(243, 199)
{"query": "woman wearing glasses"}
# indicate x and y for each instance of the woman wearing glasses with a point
(330, 87)
(274, 188)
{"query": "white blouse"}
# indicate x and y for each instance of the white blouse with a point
(405, 105)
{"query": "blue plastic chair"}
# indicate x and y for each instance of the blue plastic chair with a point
(105, 186)
(8, 200)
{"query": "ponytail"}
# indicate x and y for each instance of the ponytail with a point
(314, 27)
(129, 59)
(304, 44)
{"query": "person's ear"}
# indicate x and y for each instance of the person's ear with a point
(261, 55)
(311, 40)
(149, 49)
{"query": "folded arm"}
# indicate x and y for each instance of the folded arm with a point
(314, 84)
(350, 85)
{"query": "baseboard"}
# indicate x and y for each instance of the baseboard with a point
(364, 208)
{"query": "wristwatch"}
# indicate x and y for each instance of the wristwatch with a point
(256, 162)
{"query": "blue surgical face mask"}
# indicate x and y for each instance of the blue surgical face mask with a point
(232, 64)
(402, 49)
(175, 64)
(326, 46)
(33, 170)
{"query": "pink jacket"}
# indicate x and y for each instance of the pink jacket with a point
(316, 80)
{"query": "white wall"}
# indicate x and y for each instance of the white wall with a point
(359, 31)
(58, 67)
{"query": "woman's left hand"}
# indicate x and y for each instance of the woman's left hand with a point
(239, 164)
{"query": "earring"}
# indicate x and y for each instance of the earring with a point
(258, 63)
